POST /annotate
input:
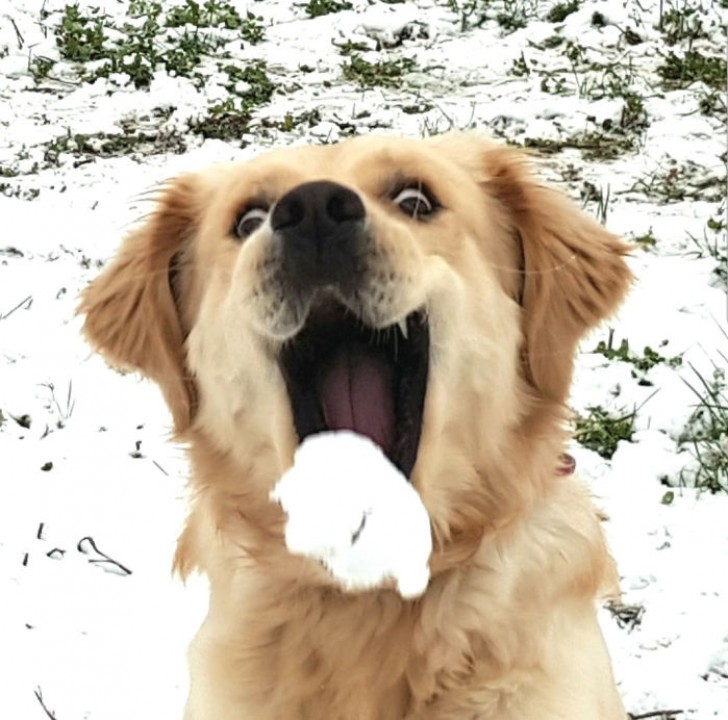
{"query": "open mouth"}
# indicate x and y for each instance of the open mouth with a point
(344, 375)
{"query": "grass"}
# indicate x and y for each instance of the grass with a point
(17, 192)
(471, 13)
(646, 240)
(682, 23)
(602, 431)
(307, 118)
(40, 67)
(713, 244)
(713, 103)
(253, 77)
(227, 120)
(594, 145)
(178, 41)
(592, 80)
(680, 71)
(600, 197)
(230, 119)
(627, 616)
(641, 363)
(675, 182)
(317, 8)
(517, 13)
(705, 436)
(131, 141)
(559, 12)
(382, 73)
(511, 15)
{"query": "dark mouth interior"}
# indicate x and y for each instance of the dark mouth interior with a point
(344, 375)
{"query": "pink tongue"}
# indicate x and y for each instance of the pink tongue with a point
(356, 394)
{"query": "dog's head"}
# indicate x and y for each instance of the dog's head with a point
(427, 293)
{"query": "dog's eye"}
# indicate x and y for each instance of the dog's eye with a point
(415, 202)
(249, 221)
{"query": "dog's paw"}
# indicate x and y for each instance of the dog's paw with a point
(351, 509)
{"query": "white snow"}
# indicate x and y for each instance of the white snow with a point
(350, 508)
(95, 461)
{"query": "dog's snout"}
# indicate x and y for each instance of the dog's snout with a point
(316, 208)
(321, 227)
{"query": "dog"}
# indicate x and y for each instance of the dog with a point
(426, 293)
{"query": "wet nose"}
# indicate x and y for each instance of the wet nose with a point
(321, 228)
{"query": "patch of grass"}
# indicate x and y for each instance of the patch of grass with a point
(290, 122)
(252, 29)
(210, 14)
(520, 67)
(705, 436)
(132, 140)
(627, 616)
(594, 145)
(683, 23)
(317, 8)
(713, 103)
(646, 240)
(419, 106)
(680, 71)
(562, 10)
(383, 73)
(643, 363)
(517, 13)
(150, 37)
(596, 80)
(553, 41)
(634, 116)
(80, 37)
(250, 83)
(555, 85)
(16, 191)
(225, 121)
(472, 13)
(675, 183)
(601, 431)
(350, 47)
(600, 196)
(229, 120)
(40, 67)
(713, 244)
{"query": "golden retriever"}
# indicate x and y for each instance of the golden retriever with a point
(429, 294)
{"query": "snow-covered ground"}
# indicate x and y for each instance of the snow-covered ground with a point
(92, 625)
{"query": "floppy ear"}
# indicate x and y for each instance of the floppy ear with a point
(574, 272)
(131, 314)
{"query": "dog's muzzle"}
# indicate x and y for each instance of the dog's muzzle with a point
(320, 227)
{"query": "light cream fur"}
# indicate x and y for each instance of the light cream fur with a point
(511, 275)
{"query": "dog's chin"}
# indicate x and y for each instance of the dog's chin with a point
(342, 374)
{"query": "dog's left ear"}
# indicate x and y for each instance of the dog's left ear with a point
(574, 272)
(131, 314)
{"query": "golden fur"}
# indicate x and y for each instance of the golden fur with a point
(511, 275)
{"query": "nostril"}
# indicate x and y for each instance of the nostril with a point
(288, 212)
(345, 205)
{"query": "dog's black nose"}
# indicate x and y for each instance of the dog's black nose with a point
(321, 227)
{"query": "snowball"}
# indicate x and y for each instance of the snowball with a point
(352, 510)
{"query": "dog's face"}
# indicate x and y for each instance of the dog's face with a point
(428, 294)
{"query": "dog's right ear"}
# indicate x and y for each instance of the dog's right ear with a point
(132, 316)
